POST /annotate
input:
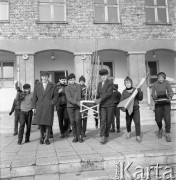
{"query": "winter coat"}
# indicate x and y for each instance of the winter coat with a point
(62, 100)
(44, 102)
(105, 93)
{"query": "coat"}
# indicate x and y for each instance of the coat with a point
(62, 100)
(105, 93)
(73, 94)
(44, 102)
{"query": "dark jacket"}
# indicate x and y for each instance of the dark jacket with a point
(83, 92)
(73, 94)
(126, 94)
(117, 97)
(105, 93)
(44, 102)
(62, 100)
(16, 105)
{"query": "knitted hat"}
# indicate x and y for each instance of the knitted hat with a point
(62, 77)
(45, 73)
(162, 74)
(82, 78)
(103, 72)
(26, 86)
(128, 79)
(71, 76)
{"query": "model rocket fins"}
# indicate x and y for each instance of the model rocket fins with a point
(128, 103)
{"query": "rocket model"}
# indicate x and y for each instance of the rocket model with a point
(129, 102)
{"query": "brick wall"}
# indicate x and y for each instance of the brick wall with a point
(24, 15)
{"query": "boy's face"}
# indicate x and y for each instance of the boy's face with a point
(27, 91)
(104, 77)
(72, 81)
(62, 81)
(81, 83)
(44, 78)
(161, 79)
(128, 84)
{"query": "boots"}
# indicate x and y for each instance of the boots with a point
(160, 133)
(168, 138)
(75, 139)
(80, 138)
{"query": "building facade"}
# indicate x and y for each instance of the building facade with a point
(62, 36)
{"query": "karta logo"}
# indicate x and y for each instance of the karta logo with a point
(161, 173)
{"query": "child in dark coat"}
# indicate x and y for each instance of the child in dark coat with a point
(136, 113)
(117, 96)
(106, 101)
(161, 94)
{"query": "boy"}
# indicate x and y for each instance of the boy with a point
(106, 101)
(73, 94)
(82, 81)
(44, 99)
(136, 113)
(117, 96)
(61, 107)
(26, 113)
(16, 108)
(162, 93)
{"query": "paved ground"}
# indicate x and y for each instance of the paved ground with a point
(64, 160)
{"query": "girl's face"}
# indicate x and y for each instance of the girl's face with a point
(160, 79)
(128, 84)
(72, 81)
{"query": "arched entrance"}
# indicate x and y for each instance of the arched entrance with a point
(54, 61)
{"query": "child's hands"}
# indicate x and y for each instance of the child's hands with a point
(34, 111)
(98, 101)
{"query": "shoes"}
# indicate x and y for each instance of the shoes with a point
(96, 126)
(160, 133)
(80, 138)
(19, 142)
(138, 139)
(62, 135)
(14, 134)
(168, 138)
(112, 130)
(47, 142)
(51, 136)
(128, 135)
(103, 140)
(75, 139)
(83, 134)
(118, 130)
(41, 140)
(67, 133)
(27, 141)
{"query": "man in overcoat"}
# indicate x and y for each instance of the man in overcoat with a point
(44, 99)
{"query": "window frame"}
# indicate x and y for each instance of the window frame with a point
(6, 21)
(2, 79)
(52, 5)
(113, 68)
(106, 5)
(156, 7)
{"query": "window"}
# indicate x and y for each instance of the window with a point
(4, 11)
(52, 11)
(106, 11)
(153, 71)
(6, 74)
(156, 12)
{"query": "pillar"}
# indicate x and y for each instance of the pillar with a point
(82, 65)
(25, 68)
(137, 70)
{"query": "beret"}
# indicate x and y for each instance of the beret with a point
(103, 72)
(82, 78)
(71, 76)
(128, 79)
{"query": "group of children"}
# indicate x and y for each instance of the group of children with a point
(67, 99)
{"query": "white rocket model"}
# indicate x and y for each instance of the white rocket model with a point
(129, 102)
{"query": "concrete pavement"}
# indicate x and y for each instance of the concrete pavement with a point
(64, 160)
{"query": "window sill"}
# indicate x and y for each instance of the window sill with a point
(107, 23)
(52, 22)
(159, 24)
